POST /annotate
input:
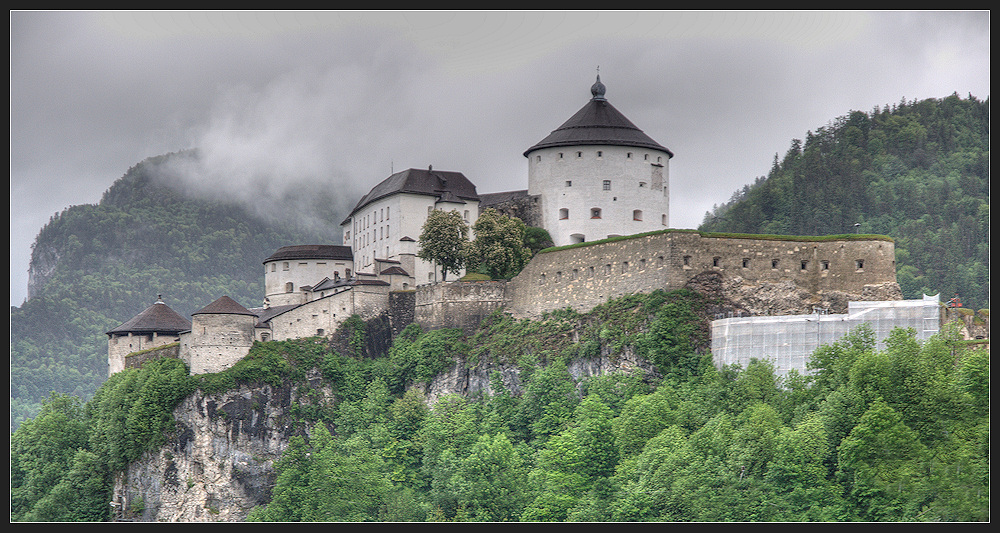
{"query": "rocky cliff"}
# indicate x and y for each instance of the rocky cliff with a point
(219, 462)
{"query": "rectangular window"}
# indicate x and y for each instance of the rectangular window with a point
(607, 185)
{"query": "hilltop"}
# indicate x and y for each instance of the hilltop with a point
(916, 171)
(94, 266)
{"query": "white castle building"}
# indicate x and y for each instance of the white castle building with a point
(599, 176)
(386, 223)
(595, 176)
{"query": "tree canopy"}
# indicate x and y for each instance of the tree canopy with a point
(916, 171)
(499, 248)
(444, 241)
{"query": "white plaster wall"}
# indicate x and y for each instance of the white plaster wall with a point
(299, 272)
(639, 181)
(375, 232)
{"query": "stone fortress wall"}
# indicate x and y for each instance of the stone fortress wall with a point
(829, 271)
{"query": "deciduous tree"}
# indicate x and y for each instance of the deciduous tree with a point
(444, 240)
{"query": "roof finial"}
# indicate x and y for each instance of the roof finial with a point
(597, 89)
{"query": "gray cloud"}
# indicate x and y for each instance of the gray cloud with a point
(284, 100)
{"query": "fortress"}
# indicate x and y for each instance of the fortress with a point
(597, 184)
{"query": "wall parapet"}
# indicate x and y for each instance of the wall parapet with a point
(166, 351)
(583, 275)
(458, 304)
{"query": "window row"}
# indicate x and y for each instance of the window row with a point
(595, 213)
(368, 220)
(859, 264)
(606, 270)
(600, 154)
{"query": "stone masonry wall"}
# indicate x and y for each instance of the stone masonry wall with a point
(460, 304)
(582, 277)
(168, 351)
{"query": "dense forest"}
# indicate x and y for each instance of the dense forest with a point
(916, 171)
(894, 435)
(96, 266)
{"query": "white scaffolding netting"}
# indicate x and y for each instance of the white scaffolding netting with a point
(789, 341)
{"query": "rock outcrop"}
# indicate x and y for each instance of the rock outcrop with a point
(219, 463)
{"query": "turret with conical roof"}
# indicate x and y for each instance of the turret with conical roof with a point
(155, 326)
(598, 175)
(598, 123)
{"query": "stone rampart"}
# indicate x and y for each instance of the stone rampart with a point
(585, 275)
(167, 351)
(458, 304)
(401, 309)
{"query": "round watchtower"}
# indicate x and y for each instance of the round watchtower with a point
(599, 176)
(290, 268)
(155, 326)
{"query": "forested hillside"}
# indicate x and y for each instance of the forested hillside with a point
(916, 171)
(96, 266)
(894, 435)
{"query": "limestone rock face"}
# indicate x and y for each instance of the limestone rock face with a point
(219, 463)
(474, 381)
(789, 298)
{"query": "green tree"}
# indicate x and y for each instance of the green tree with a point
(499, 249)
(42, 450)
(444, 240)
(536, 239)
(491, 483)
(880, 462)
(572, 462)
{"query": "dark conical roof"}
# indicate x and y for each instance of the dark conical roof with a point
(157, 318)
(598, 123)
(224, 306)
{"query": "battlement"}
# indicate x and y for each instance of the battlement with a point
(585, 275)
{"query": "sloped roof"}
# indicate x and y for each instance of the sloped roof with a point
(445, 185)
(264, 315)
(157, 318)
(224, 306)
(312, 251)
(395, 270)
(598, 123)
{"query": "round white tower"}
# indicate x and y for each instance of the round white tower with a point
(599, 176)
(291, 268)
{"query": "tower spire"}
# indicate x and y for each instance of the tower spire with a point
(598, 89)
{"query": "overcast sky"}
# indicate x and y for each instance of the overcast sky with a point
(345, 98)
